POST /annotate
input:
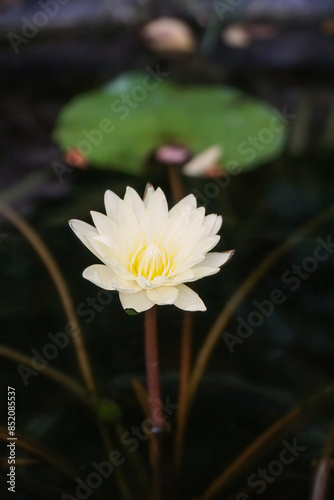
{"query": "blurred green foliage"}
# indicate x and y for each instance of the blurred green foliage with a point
(119, 125)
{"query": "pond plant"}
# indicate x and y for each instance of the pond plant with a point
(148, 255)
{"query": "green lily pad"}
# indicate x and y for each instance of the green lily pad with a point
(120, 125)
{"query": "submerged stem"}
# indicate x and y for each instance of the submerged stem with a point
(241, 293)
(254, 448)
(141, 395)
(228, 310)
(82, 356)
(57, 277)
(312, 407)
(46, 455)
(57, 376)
(185, 370)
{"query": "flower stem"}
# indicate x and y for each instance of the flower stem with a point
(241, 293)
(141, 395)
(66, 299)
(46, 455)
(152, 370)
(154, 398)
(61, 286)
(316, 405)
(175, 183)
(256, 447)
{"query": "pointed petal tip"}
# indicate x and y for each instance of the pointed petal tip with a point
(107, 193)
(201, 308)
(148, 188)
(231, 252)
(72, 223)
(84, 275)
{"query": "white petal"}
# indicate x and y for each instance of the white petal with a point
(155, 216)
(148, 195)
(143, 282)
(80, 227)
(105, 225)
(187, 265)
(184, 229)
(209, 222)
(129, 228)
(175, 229)
(105, 278)
(162, 295)
(182, 277)
(119, 268)
(138, 301)
(216, 259)
(112, 203)
(217, 225)
(157, 202)
(212, 224)
(211, 264)
(205, 245)
(197, 218)
(189, 202)
(158, 281)
(188, 300)
(202, 272)
(86, 233)
(133, 201)
(192, 254)
(108, 246)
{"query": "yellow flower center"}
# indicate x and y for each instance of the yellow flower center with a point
(150, 262)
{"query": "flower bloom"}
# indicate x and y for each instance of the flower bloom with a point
(149, 252)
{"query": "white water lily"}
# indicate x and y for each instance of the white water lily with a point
(149, 252)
